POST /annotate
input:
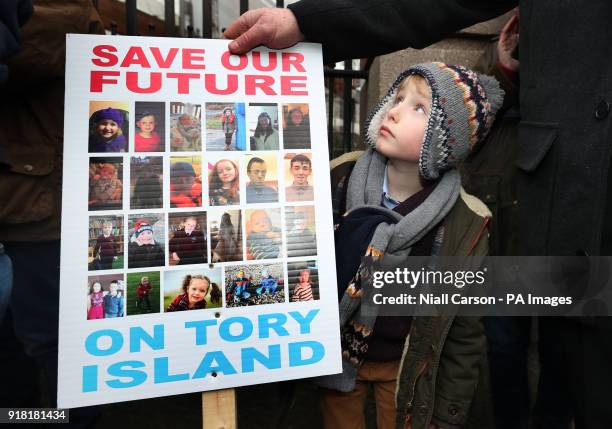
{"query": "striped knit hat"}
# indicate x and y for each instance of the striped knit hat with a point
(463, 107)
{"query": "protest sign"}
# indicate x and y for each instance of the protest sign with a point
(197, 246)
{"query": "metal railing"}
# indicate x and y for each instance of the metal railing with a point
(339, 141)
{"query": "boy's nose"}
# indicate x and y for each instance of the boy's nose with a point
(393, 114)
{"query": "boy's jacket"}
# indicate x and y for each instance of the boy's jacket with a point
(441, 362)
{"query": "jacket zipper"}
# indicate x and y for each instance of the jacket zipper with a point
(416, 379)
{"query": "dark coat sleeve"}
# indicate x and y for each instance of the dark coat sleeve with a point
(366, 28)
(13, 14)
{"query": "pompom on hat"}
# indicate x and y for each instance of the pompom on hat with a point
(108, 113)
(463, 108)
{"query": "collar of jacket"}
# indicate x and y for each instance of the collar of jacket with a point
(464, 227)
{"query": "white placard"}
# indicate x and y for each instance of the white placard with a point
(196, 181)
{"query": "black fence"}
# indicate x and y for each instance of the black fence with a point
(341, 139)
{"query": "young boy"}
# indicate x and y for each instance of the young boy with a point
(404, 198)
(301, 168)
(188, 245)
(147, 139)
(256, 190)
(303, 290)
(113, 302)
(106, 246)
(142, 294)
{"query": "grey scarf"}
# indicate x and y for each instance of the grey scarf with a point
(365, 189)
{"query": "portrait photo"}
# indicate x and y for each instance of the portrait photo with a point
(105, 183)
(225, 235)
(106, 246)
(296, 126)
(185, 127)
(262, 121)
(298, 177)
(263, 233)
(109, 126)
(187, 238)
(224, 181)
(262, 178)
(195, 289)
(105, 296)
(254, 284)
(150, 132)
(143, 293)
(301, 231)
(225, 126)
(303, 281)
(185, 181)
(146, 182)
(146, 245)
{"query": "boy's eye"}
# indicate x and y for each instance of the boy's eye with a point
(399, 99)
(419, 108)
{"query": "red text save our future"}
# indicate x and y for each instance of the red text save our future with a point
(147, 71)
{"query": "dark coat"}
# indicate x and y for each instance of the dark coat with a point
(191, 249)
(147, 255)
(564, 146)
(13, 14)
(32, 120)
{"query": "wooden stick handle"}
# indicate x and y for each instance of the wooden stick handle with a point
(219, 409)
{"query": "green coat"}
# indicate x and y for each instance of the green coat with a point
(441, 363)
(442, 357)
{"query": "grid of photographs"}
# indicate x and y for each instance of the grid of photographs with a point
(196, 206)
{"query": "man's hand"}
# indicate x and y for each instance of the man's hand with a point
(508, 41)
(275, 28)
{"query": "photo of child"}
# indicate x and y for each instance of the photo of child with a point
(95, 301)
(301, 239)
(105, 243)
(264, 238)
(150, 127)
(114, 302)
(146, 177)
(254, 285)
(192, 290)
(262, 186)
(187, 238)
(303, 281)
(185, 127)
(143, 293)
(296, 126)
(105, 183)
(225, 126)
(298, 171)
(146, 242)
(263, 126)
(185, 181)
(224, 183)
(105, 297)
(225, 235)
(108, 126)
